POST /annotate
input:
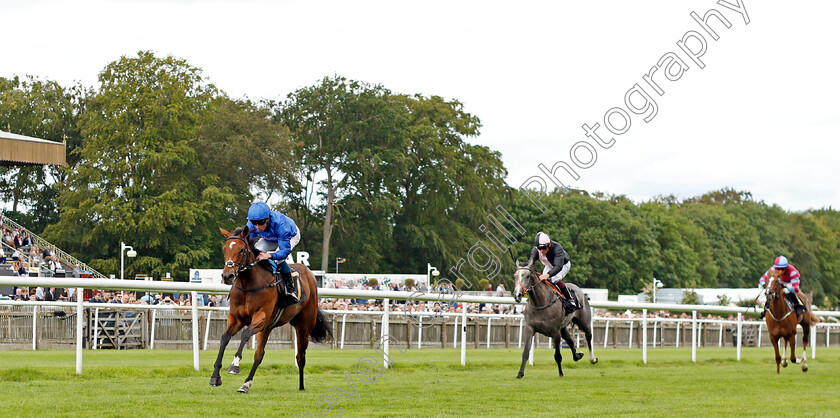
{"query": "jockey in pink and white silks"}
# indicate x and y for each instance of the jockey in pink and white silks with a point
(789, 278)
(555, 259)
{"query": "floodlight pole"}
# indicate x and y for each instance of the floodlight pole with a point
(431, 271)
(131, 254)
(656, 283)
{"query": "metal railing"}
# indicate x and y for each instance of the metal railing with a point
(386, 296)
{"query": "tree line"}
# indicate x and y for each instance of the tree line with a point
(159, 157)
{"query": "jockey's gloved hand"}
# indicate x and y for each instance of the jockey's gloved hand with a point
(761, 285)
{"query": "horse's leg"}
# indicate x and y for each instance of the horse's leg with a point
(233, 326)
(583, 323)
(234, 366)
(571, 343)
(775, 340)
(528, 334)
(806, 336)
(792, 342)
(262, 339)
(302, 343)
(784, 351)
(557, 356)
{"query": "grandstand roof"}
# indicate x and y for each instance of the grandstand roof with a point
(20, 150)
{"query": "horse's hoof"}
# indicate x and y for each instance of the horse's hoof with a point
(243, 389)
(233, 369)
(804, 367)
(784, 363)
(578, 356)
(519, 376)
(561, 375)
(216, 381)
(593, 360)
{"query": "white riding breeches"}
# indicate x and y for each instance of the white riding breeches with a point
(295, 239)
(561, 274)
(267, 246)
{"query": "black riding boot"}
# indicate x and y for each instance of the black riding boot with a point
(798, 308)
(289, 286)
(764, 311)
(569, 301)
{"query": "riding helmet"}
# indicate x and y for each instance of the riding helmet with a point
(258, 210)
(781, 263)
(542, 240)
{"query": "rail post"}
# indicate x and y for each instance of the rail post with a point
(80, 325)
(464, 334)
(694, 336)
(738, 340)
(386, 329)
(644, 336)
(195, 325)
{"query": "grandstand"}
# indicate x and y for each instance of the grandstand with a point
(69, 266)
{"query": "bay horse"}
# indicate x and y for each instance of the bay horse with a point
(544, 315)
(781, 321)
(256, 303)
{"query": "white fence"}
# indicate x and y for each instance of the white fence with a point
(386, 296)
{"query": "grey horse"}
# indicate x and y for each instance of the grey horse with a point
(545, 314)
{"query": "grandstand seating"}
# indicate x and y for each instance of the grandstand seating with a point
(67, 260)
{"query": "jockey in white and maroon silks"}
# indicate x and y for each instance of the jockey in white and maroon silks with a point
(554, 258)
(789, 278)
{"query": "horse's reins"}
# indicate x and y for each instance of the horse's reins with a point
(775, 295)
(242, 267)
(531, 287)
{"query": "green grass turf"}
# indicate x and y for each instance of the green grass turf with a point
(428, 382)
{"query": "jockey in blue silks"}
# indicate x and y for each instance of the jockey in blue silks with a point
(277, 234)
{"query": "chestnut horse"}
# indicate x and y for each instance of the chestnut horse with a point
(781, 321)
(256, 303)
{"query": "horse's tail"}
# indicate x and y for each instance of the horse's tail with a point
(322, 330)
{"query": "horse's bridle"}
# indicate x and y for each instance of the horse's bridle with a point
(531, 287)
(242, 266)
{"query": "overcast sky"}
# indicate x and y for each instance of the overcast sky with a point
(762, 115)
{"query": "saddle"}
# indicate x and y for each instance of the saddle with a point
(294, 286)
(570, 305)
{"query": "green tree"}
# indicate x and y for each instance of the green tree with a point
(684, 252)
(443, 184)
(136, 178)
(690, 297)
(341, 128)
(46, 110)
(243, 150)
(609, 240)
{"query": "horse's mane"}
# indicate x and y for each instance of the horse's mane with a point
(238, 231)
(524, 264)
